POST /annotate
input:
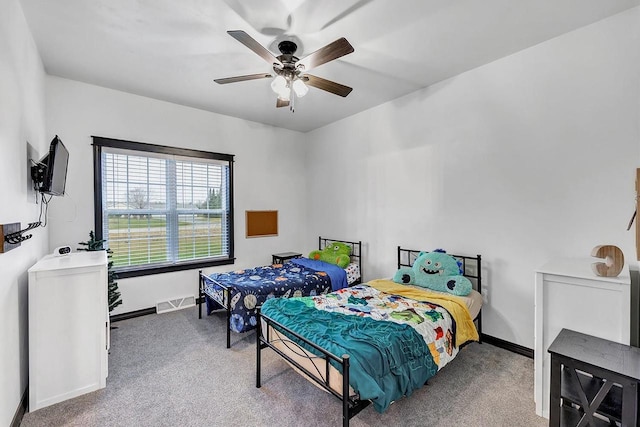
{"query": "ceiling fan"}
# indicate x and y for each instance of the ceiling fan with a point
(291, 80)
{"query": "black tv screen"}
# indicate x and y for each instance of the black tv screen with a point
(55, 174)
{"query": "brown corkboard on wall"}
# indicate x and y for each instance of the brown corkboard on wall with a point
(261, 223)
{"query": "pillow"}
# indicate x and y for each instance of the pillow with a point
(435, 270)
(337, 253)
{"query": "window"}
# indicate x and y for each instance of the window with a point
(161, 208)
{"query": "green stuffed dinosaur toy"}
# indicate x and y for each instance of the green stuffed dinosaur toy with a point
(435, 270)
(335, 253)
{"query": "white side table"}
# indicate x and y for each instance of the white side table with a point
(568, 294)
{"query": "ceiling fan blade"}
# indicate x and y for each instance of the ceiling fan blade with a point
(325, 54)
(281, 103)
(252, 44)
(242, 78)
(328, 85)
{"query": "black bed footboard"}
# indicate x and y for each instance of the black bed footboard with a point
(223, 299)
(351, 406)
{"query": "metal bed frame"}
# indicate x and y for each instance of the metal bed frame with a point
(351, 405)
(224, 298)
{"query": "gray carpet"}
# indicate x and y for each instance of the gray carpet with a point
(173, 369)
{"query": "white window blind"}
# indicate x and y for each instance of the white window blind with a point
(162, 209)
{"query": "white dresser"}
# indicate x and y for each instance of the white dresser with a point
(568, 294)
(68, 327)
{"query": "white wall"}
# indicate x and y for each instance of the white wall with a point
(21, 123)
(268, 174)
(530, 157)
(527, 158)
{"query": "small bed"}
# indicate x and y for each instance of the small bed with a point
(430, 330)
(240, 292)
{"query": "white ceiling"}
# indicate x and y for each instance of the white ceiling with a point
(173, 49)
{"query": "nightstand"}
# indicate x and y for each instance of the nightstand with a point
(284, 256)
(590, 376)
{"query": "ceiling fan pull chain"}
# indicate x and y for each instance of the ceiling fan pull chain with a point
(292, 97)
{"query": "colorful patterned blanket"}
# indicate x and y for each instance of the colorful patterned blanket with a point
(395, 343)
(252, 287)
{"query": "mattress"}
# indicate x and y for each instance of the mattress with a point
(473, 300)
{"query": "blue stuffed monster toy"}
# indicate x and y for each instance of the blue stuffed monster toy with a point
(435, 270)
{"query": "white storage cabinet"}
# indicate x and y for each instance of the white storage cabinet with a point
(68, 327)
(570, 295)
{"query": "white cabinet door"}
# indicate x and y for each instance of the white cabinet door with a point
(68, 317)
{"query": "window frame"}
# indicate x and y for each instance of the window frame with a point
(144, 270)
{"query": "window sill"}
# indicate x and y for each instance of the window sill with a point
(149, 270)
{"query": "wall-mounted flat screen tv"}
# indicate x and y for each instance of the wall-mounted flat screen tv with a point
(51, 171)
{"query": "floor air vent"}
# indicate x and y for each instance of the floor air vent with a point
(175, 304)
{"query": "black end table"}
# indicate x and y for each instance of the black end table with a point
(284, 256)
(590, 376)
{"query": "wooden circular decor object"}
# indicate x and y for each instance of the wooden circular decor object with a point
(613, 260)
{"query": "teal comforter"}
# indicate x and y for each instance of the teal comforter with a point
(388, 360)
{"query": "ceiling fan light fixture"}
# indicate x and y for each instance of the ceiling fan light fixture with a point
(282, 87)
(300, 88)
(279, 84)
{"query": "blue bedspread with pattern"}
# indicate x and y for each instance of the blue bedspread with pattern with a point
(252, 287)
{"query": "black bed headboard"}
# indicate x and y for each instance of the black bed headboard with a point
(356, 249)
